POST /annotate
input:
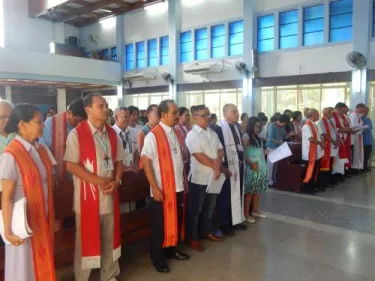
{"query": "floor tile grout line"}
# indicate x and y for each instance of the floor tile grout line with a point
(322, 227)
(324, 199)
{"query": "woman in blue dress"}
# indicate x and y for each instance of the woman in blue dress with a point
(255, 171)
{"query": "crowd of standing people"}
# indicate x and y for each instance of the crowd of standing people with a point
(181, 152)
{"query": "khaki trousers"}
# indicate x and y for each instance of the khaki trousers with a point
(109, 269)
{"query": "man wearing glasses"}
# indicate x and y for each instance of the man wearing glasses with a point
(206, 159)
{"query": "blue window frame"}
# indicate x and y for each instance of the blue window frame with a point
(164, 50)
(266, 33)
(129, 49)
(141, 54)
(186, 47)
(218, 41)
(152, 52)
(201, 44)
(236, 38)
(341, 21)
(373, 19)
(313, 25)
(288, 29)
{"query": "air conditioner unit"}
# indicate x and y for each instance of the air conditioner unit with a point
(203, 69)
(139, 76)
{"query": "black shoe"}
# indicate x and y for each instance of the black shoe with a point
(161, 267)
(240, 226)
(319, 189)
(178, 256)
(227, 231)
(309, 192)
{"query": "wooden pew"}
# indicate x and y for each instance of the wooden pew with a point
(290, 170)
(134, 225)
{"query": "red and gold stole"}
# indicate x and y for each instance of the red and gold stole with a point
(342, 147)
(348, 142)
(312, 153)
(89, 198)
(325, 162)
(59, 135)
(42, 224)
(168, 182)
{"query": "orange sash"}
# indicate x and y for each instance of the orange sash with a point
(41, 224)
(312, 153)
(169, 187)
(325, 162)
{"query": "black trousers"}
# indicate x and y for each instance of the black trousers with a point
(367, 149)
(312, 183)
(157, 252)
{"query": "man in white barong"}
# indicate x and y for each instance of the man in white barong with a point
(231, 196)
(356, 125)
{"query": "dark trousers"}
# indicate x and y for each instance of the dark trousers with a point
(157, 252)
(200, 211)
(225, 205)
(367, 149)
(312, 182)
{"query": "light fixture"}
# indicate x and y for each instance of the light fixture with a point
(52, 48)
(191, 2)
(108, 23)
(156, 9)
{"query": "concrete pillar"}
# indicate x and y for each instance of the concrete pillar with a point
(249, 18)
(120, 45)
(174, 21)
(8, 93)
(362, 21)
(61, 100)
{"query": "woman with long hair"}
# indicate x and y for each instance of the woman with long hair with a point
(26, 171)
(255, 181)
(183, 127)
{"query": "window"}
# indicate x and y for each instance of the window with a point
(218, 41)
(289, 29)
(129, 56)
(201, 44)
(164, 50)
(313, 25)
(266, 33)
(236, 38)
(373, 19)
(104, 54)
(341, 21)
(141, 56)
(186, 46)
(114, 54)
(152, 52)
(1, 24)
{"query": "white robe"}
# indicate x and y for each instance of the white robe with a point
(357, 142)
(234, 167)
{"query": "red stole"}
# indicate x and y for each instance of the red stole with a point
(348, 142)
(42, 242)
(59, 135)
(342, 147)
(325, 162)
(90, 219)
(312, 153)
(168, 182)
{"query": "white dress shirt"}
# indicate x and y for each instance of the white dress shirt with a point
(150, 151)
(306, 135)
(203, 141)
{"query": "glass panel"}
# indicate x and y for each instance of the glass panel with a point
(314, 12)
(339, 21)
(342, 34)
(201, 34)
(236, 50)
(155, 99)
(218, 41)
(289, 29)
(313, 38)
(143, 102)
(218, 52)
(289, 42)
(266, 45)
(289, 17)
(236, 38)
(267, 102)
(332, 96)
(266, 21)
(341, 7)
(201, 54)
(236, 27)
(186, 57)
(212, 101)
(195, 99)
(186, 37)
(286, 99)
(314, 25)
(310, 98)
(228, 98)
(266, 33)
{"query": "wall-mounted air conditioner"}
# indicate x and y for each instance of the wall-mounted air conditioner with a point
(203, 69)
(139, 76)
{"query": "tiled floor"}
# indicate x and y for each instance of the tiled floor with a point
(325, 238)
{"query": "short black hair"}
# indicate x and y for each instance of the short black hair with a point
(360, 105)
(340, 105)
(163, 106)
(296, 114)
(151, 107)
(182, 110)
(21, 112)
(288, 111)
(87, 100)
(273, 118)
(261, 114)
(263, 118)
(77, 108)
(197, 108)
(132, 109)
(243, 116)
(213, 116)
(283, 118)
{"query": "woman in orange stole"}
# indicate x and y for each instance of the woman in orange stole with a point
(26, 171)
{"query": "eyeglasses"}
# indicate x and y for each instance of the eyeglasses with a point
(203, 115)
(4, 118)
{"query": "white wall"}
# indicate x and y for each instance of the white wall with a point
(266, 5)
(208, 12)
(24, 33)
(371, 56)
(305, 61)
(106, 36)
(51, 67)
